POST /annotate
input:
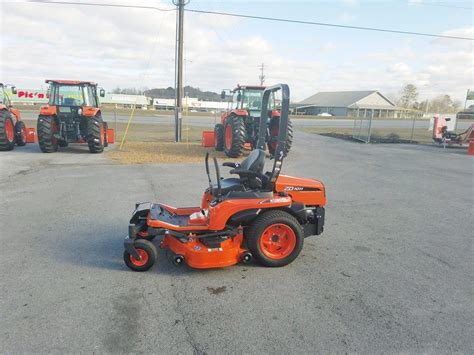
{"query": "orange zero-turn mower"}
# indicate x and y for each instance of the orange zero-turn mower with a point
(73, 115)
(258, 215)
(12, 129)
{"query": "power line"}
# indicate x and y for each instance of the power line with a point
(440, 4)
(100, 4)
(329, 24)
(263, 18)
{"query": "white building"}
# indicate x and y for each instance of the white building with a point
(191, 103)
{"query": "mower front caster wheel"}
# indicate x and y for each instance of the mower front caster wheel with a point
(147, 252)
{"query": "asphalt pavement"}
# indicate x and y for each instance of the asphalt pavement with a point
(209, 121)
(391, 273)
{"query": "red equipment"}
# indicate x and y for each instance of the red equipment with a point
(12, 129)
(73, 115)
(240, 125)
(261, 215)
(441, 135)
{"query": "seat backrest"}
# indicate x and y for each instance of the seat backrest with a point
(254, 162)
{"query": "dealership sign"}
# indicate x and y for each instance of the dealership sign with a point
(29, 96)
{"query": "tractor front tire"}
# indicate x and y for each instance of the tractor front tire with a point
(219, 137)
(275, 238)
(95, 134)
(234, 136)
(46, 128)
(7, 131)
(106, 126)
(20, 133)
(147, 252)
(273, 139)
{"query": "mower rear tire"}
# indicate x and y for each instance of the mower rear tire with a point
(219, 137)
(47, 128)
(95, 134)
(147, 252)
(234, 136)
(275, 238)
(272, 142)
(20, 133)
(7, 131)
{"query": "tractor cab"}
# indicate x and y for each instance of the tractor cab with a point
(68, 93)
(249, 98)
(4, 99)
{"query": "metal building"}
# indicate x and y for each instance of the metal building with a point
(350, 104)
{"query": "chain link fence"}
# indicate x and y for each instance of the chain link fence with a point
(371, 129)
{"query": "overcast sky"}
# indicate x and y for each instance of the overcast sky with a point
(135, 47)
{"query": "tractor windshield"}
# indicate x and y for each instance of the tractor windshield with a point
(252, 100)
(73, 95)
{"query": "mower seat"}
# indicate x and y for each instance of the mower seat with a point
(254, 163)
(228, 185)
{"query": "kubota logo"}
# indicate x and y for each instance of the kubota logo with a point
(293, 188)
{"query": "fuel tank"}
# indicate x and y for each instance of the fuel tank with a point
(310, 192)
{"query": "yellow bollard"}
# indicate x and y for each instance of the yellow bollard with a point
(128, 125)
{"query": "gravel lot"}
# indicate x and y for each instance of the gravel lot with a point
(392, 272)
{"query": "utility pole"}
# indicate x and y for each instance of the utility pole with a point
(179, 67)
(262, 76)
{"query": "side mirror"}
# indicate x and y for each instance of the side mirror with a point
(239, 97)
(14, 90)
(102, 92)
(223, 95)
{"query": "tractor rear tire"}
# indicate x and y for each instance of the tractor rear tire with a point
(275, 238)
(271, 144)
(106, 126)
(46, 128)
(147, 252)
(7, 131)
(219, 137)
(95, 134)
(234, 136)
(20, 133)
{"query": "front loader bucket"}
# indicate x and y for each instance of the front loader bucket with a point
(31, 135)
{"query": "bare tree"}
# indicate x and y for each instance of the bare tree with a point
(408, 95)
(444, 104)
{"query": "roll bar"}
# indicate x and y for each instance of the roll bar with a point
(218, 175)
(282, 128)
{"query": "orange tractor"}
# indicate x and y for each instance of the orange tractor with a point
(443, 137)
(12, 129)
(73, 115)
(258, 215)
(240, 124)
